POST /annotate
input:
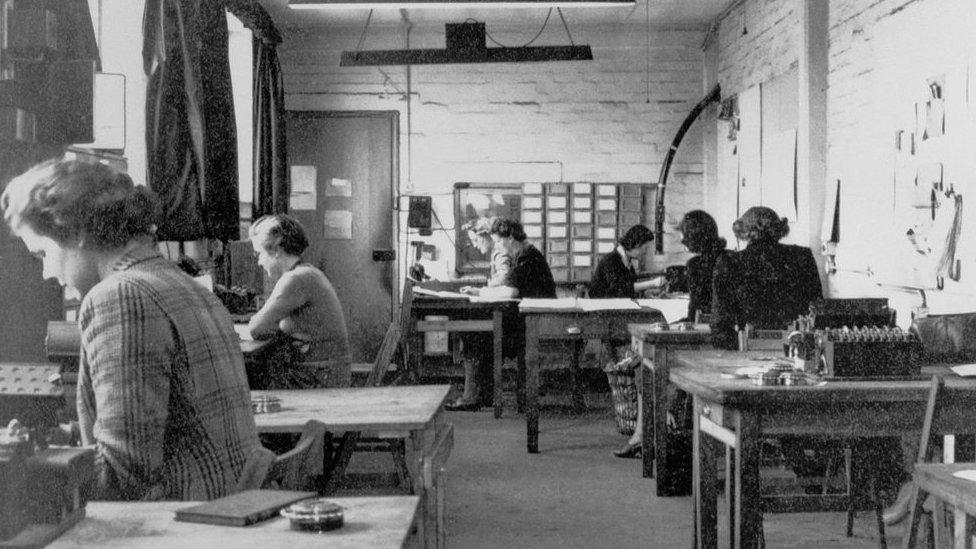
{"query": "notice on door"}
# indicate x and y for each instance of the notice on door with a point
(338, 224)
(303, 182)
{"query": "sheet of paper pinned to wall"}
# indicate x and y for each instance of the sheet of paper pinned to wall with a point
(303, 184)
(338, 187)
(337, 224)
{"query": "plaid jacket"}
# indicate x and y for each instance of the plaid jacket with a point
(162, 391)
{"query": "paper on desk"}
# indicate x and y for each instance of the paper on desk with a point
(968, 474)
(243, 332)
(672, 309)
(540, 303)
(452, 295)
(965, 370)
(613, 304)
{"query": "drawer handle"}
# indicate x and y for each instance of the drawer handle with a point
(574, 330)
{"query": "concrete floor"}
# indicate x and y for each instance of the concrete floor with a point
(576, 494)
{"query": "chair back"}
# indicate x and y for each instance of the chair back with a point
(301, 467)
(384, 356)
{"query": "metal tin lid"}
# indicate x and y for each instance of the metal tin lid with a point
(313, 509)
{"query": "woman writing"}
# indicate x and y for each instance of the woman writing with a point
(162, 393)
(302, 306)
(699, 233)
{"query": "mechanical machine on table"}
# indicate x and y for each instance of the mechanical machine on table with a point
(42, 487)
(859, 338)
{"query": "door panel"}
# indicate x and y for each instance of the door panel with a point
(354, 155)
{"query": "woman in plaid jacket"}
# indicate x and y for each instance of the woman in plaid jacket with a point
(162, 393)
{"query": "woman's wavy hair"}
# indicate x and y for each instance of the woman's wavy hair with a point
(636, 236)
(73, 201)
(700, 232)
(760, 223)
(505, 227)
(280, 231)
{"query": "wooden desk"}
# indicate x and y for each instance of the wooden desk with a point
(655, 348)
(739, 414)
(937, 479)
(568, 325)
(463, 316)
(413, 412)
(369, 522)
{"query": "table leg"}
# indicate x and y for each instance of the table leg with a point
(532, 383)
(421, 441)
(659, 411)
(704, 516)
(497, 354)
(579, 405)
(520, 384)
(963, 530)
(649, 435)
(415, 350)
(748, 497)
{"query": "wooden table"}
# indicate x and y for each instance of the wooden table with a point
(463, 315)
(739, 414)
(414, 412)
(937, 479)
(568, 324)
(376, 522)
(655, 348)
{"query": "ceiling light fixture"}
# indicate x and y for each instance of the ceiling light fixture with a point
(466, 44)
(461, 4)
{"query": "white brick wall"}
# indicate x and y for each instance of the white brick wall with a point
(867, 77)
(599, 121)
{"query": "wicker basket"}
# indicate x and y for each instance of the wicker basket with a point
(621, 377)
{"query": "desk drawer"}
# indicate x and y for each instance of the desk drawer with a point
(573, 326)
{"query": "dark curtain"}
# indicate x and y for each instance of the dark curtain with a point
(190, 132)
(271, 185)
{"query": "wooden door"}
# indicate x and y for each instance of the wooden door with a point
(351, 160)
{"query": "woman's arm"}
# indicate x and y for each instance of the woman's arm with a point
(287, 295)
(124, 389)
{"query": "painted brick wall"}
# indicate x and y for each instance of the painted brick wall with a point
(607, 120)
(877, 50)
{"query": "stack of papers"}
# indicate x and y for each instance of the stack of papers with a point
(672, 309)
(568, 303)
(612, 304)
(451, 295)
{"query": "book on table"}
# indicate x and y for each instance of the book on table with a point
(242, 508)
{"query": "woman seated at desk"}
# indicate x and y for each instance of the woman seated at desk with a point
(302, 306)
(476, 348)
(699, 233)
(766, 285)
(162, 393)
(530, 277)
(615, 277)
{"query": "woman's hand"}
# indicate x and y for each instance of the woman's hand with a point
(470, 290)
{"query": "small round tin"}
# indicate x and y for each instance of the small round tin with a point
(314, 515)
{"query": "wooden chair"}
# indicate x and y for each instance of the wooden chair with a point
(925, 453)
(354, 441)
(297, 469)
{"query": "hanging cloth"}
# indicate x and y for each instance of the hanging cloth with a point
(191, 138)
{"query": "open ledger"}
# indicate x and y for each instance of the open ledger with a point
(458, 295)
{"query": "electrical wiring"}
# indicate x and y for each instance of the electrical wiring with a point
(529, 43)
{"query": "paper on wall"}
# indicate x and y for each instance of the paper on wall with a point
(303, 184)
(337, 224)
(338, 187)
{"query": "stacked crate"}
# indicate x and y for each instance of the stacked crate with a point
(533, 219)
(557, 231)
(631, 204)
(582, 232)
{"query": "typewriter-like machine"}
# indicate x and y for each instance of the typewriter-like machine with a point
(42, 486)
(858, 338)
